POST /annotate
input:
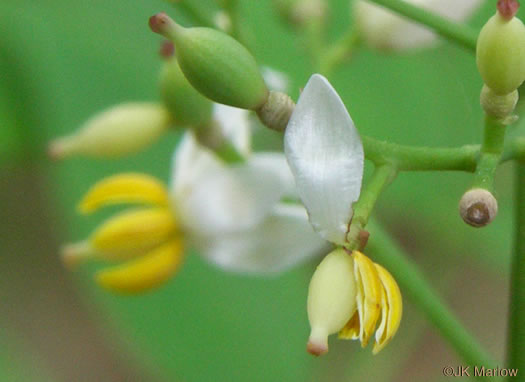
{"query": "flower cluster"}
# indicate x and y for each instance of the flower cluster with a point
(232, 215)
(239, 210)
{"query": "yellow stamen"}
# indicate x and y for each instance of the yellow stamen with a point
(145, 273)
(368, 295)
(124, 188)
(394, 311)
(351, 329)
(131, 233)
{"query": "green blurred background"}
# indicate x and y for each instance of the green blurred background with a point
(62, 61)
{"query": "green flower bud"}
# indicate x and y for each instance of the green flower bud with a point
(215, 64)
(498, 106)
(121, 130)
(500, 53)
(331, 298)
(186, 105)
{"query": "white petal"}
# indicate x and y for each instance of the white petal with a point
(326, 157)
(281, 241)
(230, 199)
(276, 162)
(383, 29)
(275, 80)
(191, 163)
(235, 125)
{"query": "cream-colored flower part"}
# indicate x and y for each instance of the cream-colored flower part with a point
(120, 130)
(352, 295)
(231, 215)
(348, 293)
(384, 30)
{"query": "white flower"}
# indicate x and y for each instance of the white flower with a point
(232, 215)
(384, 30)
(348, 293)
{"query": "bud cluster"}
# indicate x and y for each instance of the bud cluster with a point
(223, 70)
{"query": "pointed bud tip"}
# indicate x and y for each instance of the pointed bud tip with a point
(478, 207)
(508, 8)
(55, 150)
(159, 22)
(316, 349)
(318, 342)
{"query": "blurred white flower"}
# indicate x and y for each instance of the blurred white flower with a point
(275, 80)
(384, 30)
(232, 215)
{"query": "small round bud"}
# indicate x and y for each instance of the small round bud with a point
(499, 106)
(331, 299)
(215, 64)
(500, 54)
(478, 207)
(187, 106)
(276, 112)
(119, 131)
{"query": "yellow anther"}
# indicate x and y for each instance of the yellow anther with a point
(145, 273)
(393, 312)
(368, 295)
(131, 233)
(124, 188)
(351, 329)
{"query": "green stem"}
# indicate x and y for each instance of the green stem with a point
(231, 7)
(313, 34)
(229, 154)
(458, 33)
(383, 175)
(340, 51)
(516, 328)
(490, 154)
(202, 15)
(409, 158)
(413, 284)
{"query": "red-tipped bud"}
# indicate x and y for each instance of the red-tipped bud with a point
(508, 8)
(160, 22)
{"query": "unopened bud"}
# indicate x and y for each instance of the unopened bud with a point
(187, 106)
(386, 31)
(215, 64)
(478, 207)
(331, 299)
(276, 112)
(121, 130)
(499, 106)
(301, 12)
(500, 53)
